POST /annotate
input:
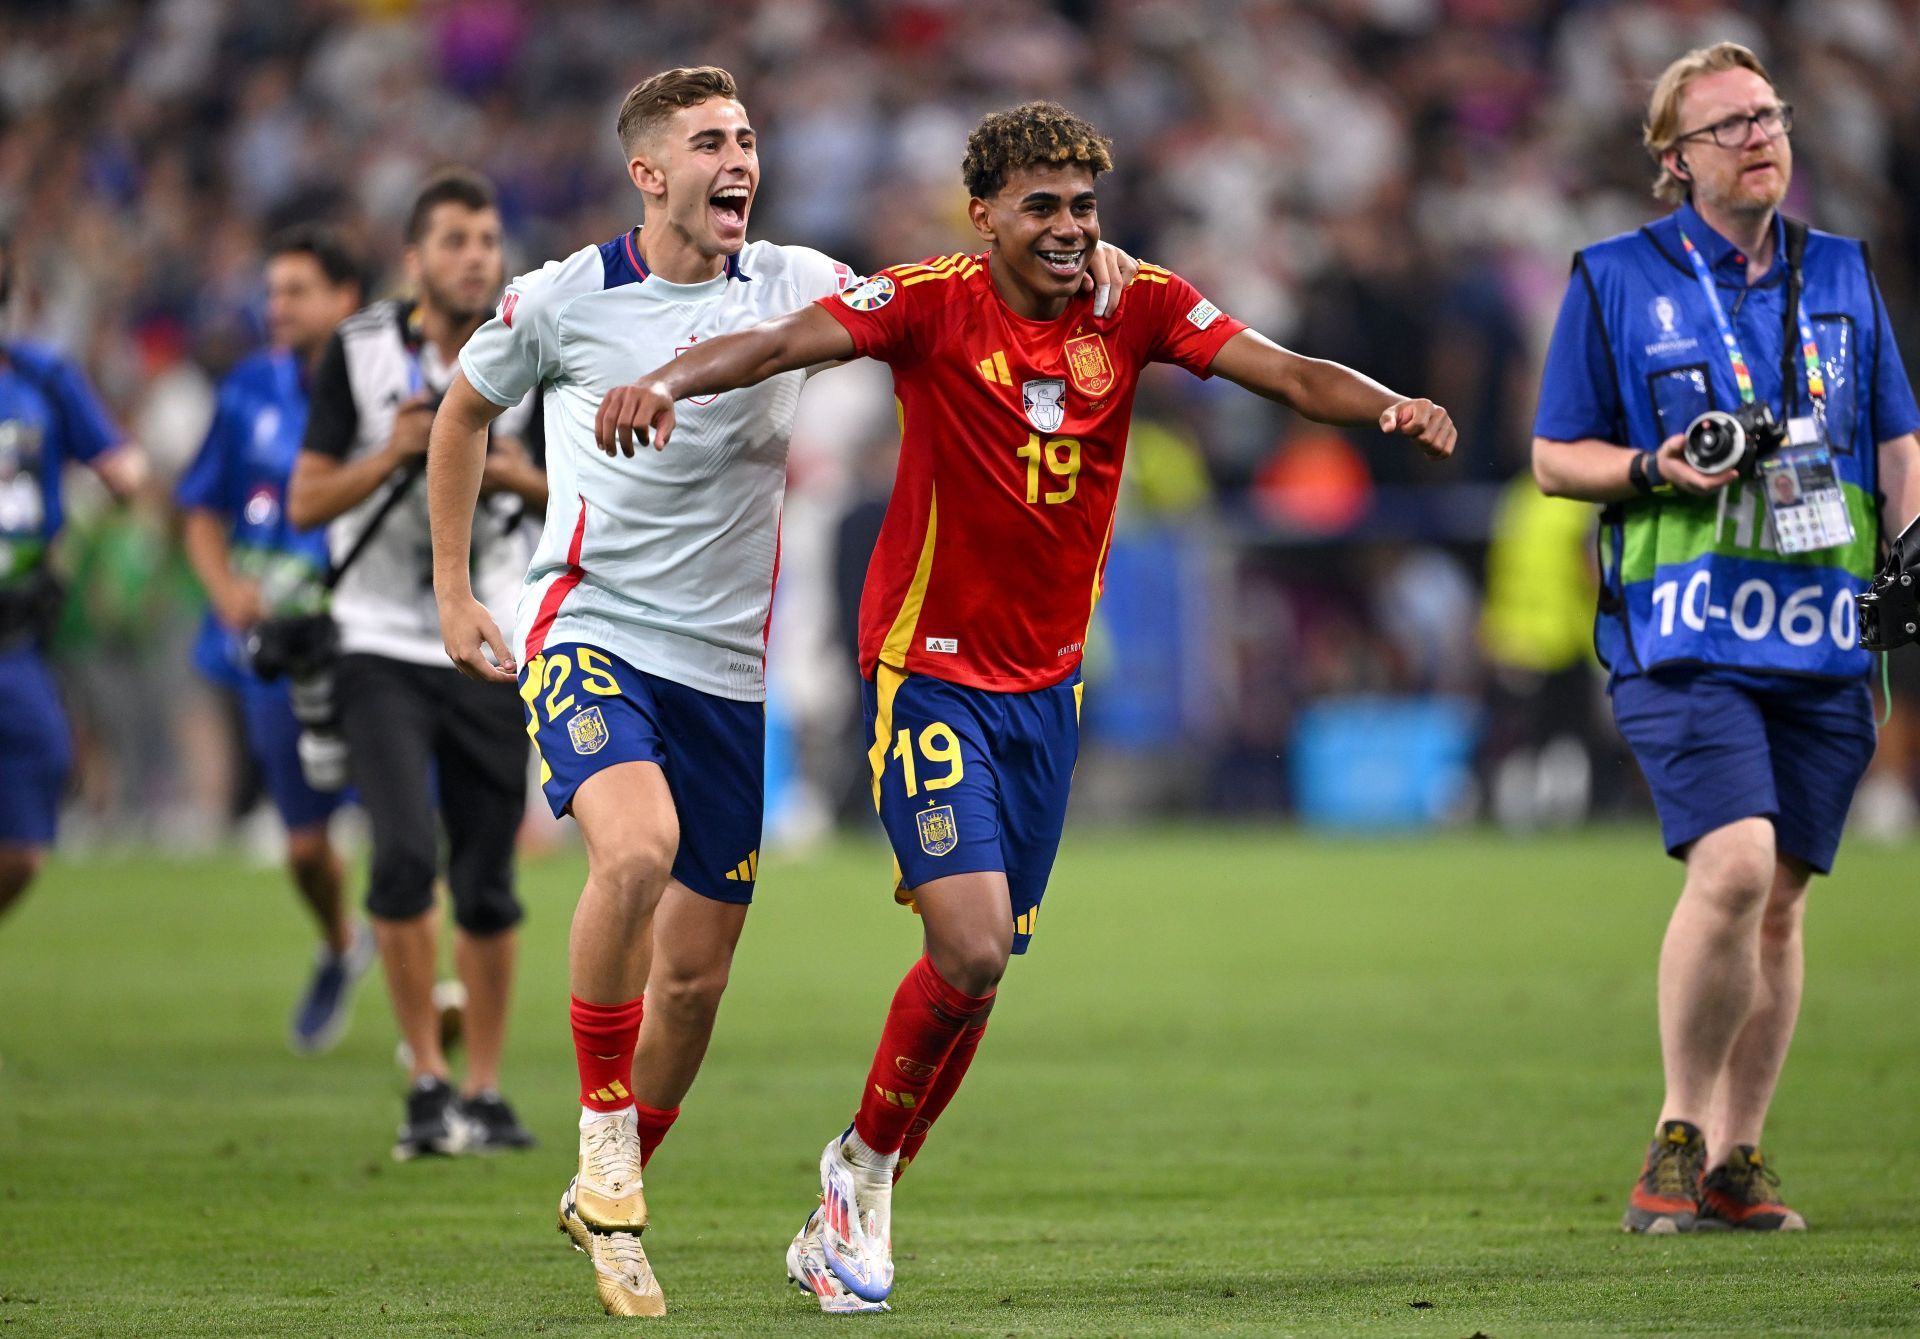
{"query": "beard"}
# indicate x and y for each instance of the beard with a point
(455, 308)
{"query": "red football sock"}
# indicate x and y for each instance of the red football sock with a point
(603, 1040)
(924, 1024)
(945, 1084)
(654, 1124)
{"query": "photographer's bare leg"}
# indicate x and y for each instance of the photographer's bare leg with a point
(1710, 962)
(485, 966)
(19, 862)
(410, 954)
(317, 873)
(1745, 1090)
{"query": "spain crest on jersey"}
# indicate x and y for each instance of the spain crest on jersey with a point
(588, 731)
(938, 832)
(1046, 403)
(1088, 366)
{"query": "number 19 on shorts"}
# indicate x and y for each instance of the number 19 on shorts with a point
(1757, 612)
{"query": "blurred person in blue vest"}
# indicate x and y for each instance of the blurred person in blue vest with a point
(1726, 609)
(49, 415)
(254, 564)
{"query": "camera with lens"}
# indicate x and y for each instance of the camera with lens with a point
(1890, 606)
(1719, 440)
(304, 649)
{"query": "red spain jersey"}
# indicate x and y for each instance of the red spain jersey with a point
(1012, 434)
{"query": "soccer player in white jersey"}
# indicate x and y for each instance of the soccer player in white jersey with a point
(641, 632)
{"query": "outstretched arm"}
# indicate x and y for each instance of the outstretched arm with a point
(632, 415)
(456, 459)
(1331, 393)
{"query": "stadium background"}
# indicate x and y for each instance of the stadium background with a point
(1397, 184)
(1254, 1079)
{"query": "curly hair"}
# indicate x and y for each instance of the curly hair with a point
(1034, 134)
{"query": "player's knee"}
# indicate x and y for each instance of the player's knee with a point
(688, 996)
(975, 964)
(634, 871)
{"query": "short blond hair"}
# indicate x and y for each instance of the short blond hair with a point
(651, 102)
(1662, 130)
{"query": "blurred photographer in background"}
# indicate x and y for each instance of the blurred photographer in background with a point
(418, 736)
(1725, 382)
(255, 566)
(49, 415)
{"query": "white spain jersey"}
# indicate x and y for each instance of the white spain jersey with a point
(667, 559)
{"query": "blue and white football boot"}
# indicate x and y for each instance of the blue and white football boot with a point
(807, 1270)
(856, 1237)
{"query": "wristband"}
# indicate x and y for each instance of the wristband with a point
(1643, 472)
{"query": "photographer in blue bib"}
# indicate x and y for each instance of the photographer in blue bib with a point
(1725, 382)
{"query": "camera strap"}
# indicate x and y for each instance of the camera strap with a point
(403, 484)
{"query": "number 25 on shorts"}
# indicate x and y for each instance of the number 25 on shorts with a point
(938, 744)
(551, 672)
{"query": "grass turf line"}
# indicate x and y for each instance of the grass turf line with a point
(1245, 1083)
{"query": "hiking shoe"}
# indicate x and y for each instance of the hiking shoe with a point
(1743, 1193)
(1665, 1199)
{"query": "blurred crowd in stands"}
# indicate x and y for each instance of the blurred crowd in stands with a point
(1397, 184)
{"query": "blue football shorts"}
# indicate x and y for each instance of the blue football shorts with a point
(1721, 745)
(36, 752)
(588, 710)
(273, 737)
(968, 780)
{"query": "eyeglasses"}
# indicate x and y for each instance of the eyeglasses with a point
(1734, 131)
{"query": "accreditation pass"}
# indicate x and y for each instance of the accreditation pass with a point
(1805, 500)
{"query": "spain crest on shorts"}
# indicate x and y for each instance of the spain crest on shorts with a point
(938, 832)
(588, 731)
(1088, 366)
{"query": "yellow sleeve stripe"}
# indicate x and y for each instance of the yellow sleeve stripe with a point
(945, 263)
(1145, 268)
(964, 272)
(899, 640)
(1144, 278)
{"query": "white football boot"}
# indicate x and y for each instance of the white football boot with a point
(807, 1270)
(856, 1237)
(610, 1195)
(620, 1269)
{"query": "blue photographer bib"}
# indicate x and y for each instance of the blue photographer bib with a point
(242, 473)
(1703, 580)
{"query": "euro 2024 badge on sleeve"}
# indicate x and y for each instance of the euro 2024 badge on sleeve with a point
(938, 832)
(1045, 402)
(588, 731)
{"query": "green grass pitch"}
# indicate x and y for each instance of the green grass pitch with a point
(1246, 1083)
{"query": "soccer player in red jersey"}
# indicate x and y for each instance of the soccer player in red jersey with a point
(1015, 403)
